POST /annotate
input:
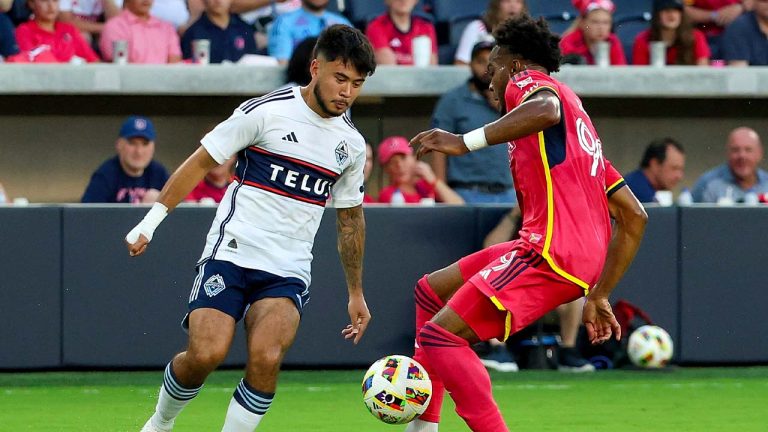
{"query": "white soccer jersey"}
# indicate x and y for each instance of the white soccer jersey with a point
(289, 161)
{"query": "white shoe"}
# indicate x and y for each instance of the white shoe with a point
(149, 427)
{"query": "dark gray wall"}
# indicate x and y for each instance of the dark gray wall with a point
(70, 296)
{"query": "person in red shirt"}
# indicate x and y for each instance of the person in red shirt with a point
(213, 187)
(712, 17)
(44, 39)
(685, 45)
(594, 26)
(392, 33)
(410, 181)
(567, 193)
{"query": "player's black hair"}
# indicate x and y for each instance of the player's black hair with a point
(530, 39)
(349, 44)
(657, 149)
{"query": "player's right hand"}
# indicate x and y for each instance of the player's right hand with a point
(138, 247)
(440, 141)
(599, 321)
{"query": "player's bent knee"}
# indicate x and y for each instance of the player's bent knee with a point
(208, 358)
(266, 357)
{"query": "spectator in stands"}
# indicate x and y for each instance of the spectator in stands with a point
(252, 10)
(131, 176)
(481, 30)
(392, 33)
(88, 15)
(8, 45)
(745, 41)
(44, 39)
(594, 26)
(711, 17)
(367, 170)
(662, 168)
(179, 13)
(740, 175)
(297, 72)
(150, 40)
(685, 45)
(480, 176)
(230, 38)
(291, 28)
(568, 357)
(410, 181)
(212, 188)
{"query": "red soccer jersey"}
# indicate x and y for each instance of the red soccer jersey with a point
(641, 50)
(64, 43)
(383, 33)
(562, 179)
(574, 43)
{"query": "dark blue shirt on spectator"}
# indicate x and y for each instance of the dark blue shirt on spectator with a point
(8, 45)
(229, 43)
(640, 186)
(110, 184)
(743, 40)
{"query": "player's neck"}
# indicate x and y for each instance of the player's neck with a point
(308, 94)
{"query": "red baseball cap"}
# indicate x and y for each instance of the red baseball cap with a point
(586, 6)
(393, 145)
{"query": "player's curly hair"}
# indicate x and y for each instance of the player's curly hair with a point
(531, 39)
(349, 44)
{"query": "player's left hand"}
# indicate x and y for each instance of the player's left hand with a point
(440, 141)
(599, 320)
(359, 317)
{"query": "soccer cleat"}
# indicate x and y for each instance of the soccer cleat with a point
(569, 360)
(150, 427)
(500, 360)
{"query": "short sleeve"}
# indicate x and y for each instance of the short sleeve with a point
(376, 35)
(613, 179)
(348, 191)
(473, 33)
(524, 85)
(735, 42)
(280, 43)
(237, 132)
(701, 47)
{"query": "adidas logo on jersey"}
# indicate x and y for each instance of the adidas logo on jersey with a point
(232, 244)
(291, 137)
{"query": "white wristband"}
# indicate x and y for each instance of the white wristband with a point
(149, 224)
(475, 140)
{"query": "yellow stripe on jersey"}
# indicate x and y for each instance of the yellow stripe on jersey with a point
(610, 188)
(538, 89)
(551, 220)
(507, 320)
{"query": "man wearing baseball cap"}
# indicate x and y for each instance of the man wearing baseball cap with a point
(410, 181)
(131, 176)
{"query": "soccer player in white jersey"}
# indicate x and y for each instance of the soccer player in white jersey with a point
(295, 149)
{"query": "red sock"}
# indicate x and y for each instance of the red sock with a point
(427, 305)
(464, 376)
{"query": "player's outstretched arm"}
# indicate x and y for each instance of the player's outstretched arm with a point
(539, 112)
(350, 227)
(630, 219)
(181, 183)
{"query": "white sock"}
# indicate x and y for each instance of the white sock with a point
(172, 399)
(421, 426)
(246, 408)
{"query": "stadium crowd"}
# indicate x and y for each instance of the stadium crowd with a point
(605, 32)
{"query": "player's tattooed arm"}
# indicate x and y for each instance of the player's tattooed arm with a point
(350, 224)
(350, 227)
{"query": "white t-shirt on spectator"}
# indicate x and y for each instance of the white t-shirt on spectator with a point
(473, 33)
(172, 11)
(250, 17)
(83, 8)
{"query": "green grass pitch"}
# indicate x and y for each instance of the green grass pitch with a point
(711, 399)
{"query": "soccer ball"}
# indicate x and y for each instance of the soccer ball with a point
(396, 389)
(650, 347)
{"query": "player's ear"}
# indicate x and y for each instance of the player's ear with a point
(313, 68)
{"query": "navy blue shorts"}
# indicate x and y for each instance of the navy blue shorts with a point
(231, 289)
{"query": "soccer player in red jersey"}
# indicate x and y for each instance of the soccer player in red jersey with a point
(567, 192)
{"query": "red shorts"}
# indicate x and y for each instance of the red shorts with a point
(508, 286)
